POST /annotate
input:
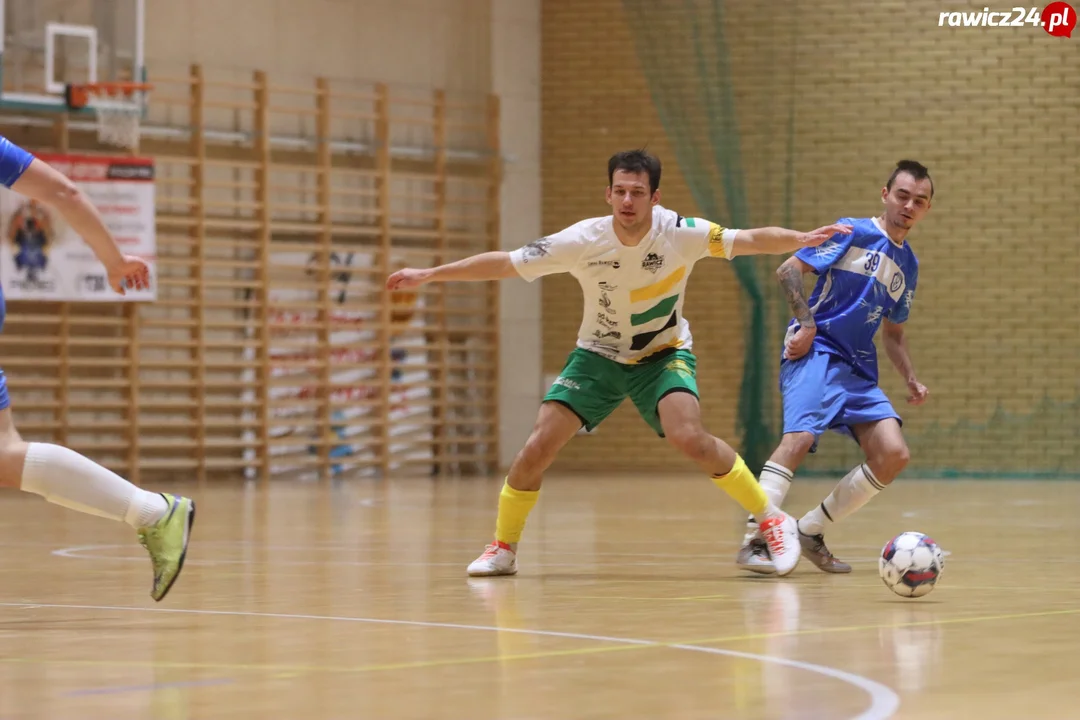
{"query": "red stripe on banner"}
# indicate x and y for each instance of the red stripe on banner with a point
(100, 159)
(104, 168)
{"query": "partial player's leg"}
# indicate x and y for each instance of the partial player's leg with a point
(587, 391)
(776, 477)
(555, 425)
(886, 456)
(870, 418)
(66, 478)
(809, 405)
(665, 393)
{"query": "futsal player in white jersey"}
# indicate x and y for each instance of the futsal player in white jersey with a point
(58, 474)
(633, 342)
(828, 368)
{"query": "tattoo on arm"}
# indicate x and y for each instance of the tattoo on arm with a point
(791, 281)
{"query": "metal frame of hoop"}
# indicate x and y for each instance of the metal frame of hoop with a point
(117, 120)
(79, 95)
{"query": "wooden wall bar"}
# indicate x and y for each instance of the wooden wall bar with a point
(274, 350)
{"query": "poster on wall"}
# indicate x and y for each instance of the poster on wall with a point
(43, 258)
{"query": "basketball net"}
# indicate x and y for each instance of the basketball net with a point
(117, 120)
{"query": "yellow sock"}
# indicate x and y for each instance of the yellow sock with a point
(743, 487)
(514, 509)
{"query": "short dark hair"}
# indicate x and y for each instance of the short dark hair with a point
(916, 169)
(635, 161)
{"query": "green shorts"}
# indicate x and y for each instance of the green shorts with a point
(593, 386)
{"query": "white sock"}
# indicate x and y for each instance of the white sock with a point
(66, 478)
(775, 481)
(850, 494)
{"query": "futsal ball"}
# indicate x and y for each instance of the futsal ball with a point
(910, 564)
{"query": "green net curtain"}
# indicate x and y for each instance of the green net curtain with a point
(687, 64)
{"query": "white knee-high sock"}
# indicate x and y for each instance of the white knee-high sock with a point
(851, 493)
(775, 481)
(66, 478)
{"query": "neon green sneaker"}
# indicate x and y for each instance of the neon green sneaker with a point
(167, 542)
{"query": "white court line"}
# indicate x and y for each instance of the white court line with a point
(559, 544)
(883, 701)
(88, 552)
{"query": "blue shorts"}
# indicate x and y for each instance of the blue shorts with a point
(821, 392)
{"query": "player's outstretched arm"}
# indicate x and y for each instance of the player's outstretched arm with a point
(485, 266)
(44, 183)
(896, 348)
(778, 241)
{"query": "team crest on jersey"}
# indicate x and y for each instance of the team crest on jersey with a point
(897, 282)
(652, 263)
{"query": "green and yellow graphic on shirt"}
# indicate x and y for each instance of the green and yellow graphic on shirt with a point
(664, 308)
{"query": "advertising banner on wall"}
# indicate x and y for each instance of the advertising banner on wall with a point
(43, 258)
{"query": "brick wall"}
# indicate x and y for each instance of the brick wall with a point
(992, 112)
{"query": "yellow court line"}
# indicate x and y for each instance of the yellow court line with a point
(880, 626)
(631, 597)
(994, 588)
(292, 670)
(170, 665)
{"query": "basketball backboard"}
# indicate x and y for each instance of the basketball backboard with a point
(45, 44)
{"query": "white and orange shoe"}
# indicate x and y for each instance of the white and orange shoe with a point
(781, 533)
(754, 556)
(499, 558)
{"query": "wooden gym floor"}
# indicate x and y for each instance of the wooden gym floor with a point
(351, 601)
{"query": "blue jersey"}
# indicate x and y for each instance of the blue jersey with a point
(862, 278)
(13, 162)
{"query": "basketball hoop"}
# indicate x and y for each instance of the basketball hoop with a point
(117, 106)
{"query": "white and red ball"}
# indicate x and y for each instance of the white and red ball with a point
(910, 564)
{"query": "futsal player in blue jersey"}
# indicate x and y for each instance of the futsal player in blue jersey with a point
(58, 474)
(829, 369)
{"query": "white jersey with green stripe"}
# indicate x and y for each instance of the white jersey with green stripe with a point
(633, 295)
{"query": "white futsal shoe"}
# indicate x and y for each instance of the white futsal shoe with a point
(500, 558)
(754, 556)
(781, 533)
